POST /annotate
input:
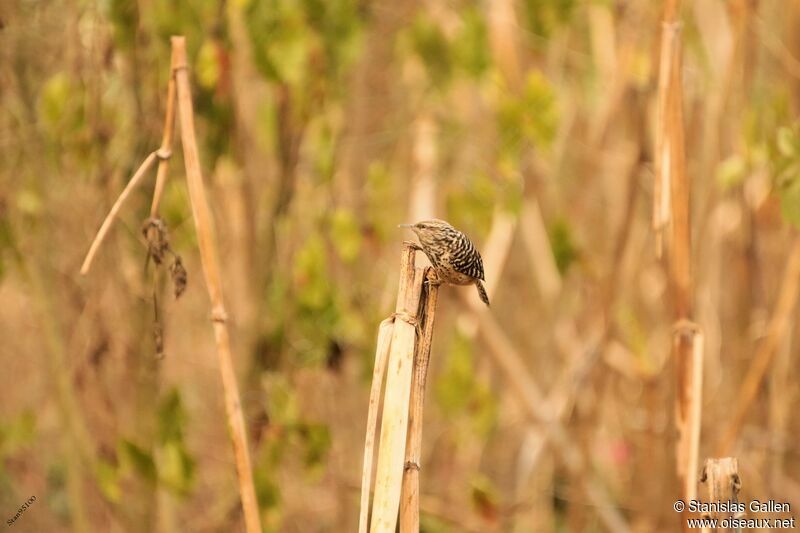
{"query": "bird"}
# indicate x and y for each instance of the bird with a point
(453, 256)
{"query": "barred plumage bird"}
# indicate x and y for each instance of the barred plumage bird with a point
(452, 254)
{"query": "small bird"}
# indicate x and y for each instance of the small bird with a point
(453, 256)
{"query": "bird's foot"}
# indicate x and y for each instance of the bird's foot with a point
(433, 282)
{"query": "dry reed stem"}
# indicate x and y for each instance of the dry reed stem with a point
(409, 508)
(112, 215)
(166, 141)
(503, 353)
(672, 179)
(689, 334)
(778, 324)
(381, 360)
(208, 257)
(394, 425)
(721, 476)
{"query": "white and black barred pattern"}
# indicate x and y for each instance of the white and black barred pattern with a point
(448, 248)
(452, 254)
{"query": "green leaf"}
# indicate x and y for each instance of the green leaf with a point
(176, 468)
(790, 198)
(140, 460)
(563, 244)
(17, 433)
(346, 235)
(207, 65)
(107, 477)
(171, 418)
(731, 172)
(787, 142)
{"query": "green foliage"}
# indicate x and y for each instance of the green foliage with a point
(176, 467)
(167, 463)
(786, 168)
(731, 172)
(429, 43)
(460, 394)
(60, 108)
(345, 235)
(134, 457)
(562, 242)
(543, 17)
(124, 15)
(17, 433)
(107, 477)
(297, 41)
(531, 117)
(471, 50)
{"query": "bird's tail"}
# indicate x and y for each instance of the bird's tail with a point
(482, 292)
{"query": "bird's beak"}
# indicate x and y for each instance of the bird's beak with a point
(405, 226)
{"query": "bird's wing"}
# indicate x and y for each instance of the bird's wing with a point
(468, 261)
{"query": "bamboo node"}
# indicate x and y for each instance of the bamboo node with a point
(163, 154)
(411, 465)
(405, 317)
(219, 315)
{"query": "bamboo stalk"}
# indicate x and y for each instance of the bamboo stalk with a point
(166, 140)
(381, 360)
(112, 215)
(208, 257)
(672, 180)
(778, 325)
(721, 476)
(689, 335)
(409, 509)
(394, 426)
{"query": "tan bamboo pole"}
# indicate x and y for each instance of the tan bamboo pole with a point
(672, 210)
(721, 476)
(409, 505)
(394, 425)
(208, 257)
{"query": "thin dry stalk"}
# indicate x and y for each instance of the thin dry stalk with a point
(778, 325)
(112, 215)
(689, 335)
(394, 426)
(208, 258)
(721, 476)
(672, 180)
(166, 140)
(381, 360)
(409, 509)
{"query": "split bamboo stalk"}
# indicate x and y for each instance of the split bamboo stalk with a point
(778, 325)
(208, 257)
(409, 510)
(381, 360)
(394, 425)
(721, 476)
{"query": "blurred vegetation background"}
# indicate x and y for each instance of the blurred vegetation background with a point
(529, 124)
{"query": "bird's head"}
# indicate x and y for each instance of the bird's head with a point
(428, 230)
